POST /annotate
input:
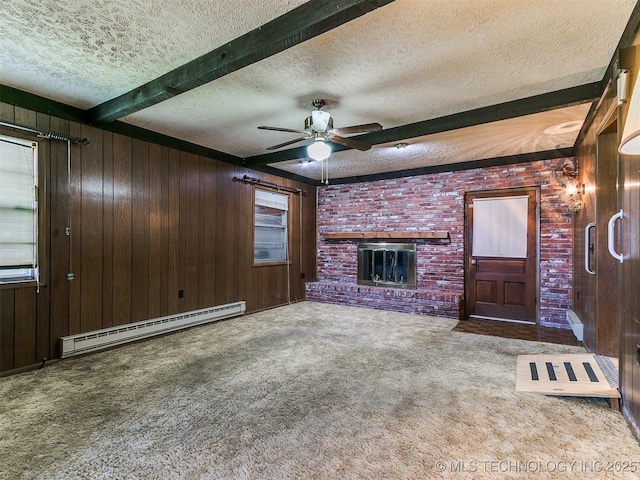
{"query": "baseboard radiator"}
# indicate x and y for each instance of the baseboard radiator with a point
(108, 337)
(576, 324)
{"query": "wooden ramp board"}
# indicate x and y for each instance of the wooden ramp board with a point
(575, 375)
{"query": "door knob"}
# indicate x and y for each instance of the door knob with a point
(473, 261)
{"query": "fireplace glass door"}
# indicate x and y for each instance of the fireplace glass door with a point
(387, 264)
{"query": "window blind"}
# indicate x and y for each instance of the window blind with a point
(500, 227)
(18, 207)
(271, 199)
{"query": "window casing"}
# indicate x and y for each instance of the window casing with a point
(18, 210)
(270, 230)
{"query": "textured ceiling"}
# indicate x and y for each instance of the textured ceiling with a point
(408, 61)
(516, 136)
(85, 52)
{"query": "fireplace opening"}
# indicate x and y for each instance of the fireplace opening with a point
(387, 265)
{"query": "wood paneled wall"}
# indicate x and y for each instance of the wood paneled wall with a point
(608, 301)
(596, 297)
(146, 222)
(629, 201)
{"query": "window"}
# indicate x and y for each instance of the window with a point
(500, 227)
(270, 227)
(18, 209)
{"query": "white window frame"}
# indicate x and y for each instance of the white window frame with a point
(20, 269)
(276, 251)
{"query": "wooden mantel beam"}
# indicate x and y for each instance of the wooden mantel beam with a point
(431, 235)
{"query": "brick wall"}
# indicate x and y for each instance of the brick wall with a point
(436, 202)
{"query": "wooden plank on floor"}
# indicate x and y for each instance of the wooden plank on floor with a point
(577, 375)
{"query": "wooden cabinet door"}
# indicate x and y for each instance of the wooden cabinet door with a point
(585, 259)
(607, 331)
(628, 244)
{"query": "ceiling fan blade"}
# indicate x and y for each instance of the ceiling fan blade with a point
(274, 147)
(278, 129)
(350, 142)
(364, 128)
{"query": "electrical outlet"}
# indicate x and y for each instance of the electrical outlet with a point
(180, 293)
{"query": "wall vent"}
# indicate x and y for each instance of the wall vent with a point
(576, 325)
(108, 337)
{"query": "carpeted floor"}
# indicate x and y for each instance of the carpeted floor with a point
(307, 391)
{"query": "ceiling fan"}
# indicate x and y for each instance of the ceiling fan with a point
(319, 127)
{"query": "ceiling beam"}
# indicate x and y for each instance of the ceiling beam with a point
(626, 40)
(615, 65)
(143, 134)
(296, 26)
(19, 98)
(457, 167)
(286, 174)
(492, 113)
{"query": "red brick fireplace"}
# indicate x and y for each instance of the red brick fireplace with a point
(433, 206)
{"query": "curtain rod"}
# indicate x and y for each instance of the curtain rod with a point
(49, 135)
(264, 183)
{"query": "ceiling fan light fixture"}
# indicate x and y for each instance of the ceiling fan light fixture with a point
(319, 150)
(320, 120)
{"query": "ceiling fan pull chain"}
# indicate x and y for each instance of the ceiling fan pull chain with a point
(327, 171)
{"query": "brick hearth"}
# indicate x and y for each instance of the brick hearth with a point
(439, 304)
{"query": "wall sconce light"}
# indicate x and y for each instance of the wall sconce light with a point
(630, 144)
(575, 192)
(572, 188)
(623, 86)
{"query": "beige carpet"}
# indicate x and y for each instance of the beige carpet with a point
(308, 391)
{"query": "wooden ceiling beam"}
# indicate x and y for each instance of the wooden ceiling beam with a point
(457, 167)
(296, 26)
(526, 106)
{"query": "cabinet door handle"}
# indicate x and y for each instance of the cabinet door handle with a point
(587, 266)
(610, 235)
